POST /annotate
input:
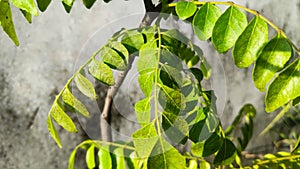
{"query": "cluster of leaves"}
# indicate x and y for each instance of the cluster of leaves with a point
(171, 69)
(250, 44)
(29, 9)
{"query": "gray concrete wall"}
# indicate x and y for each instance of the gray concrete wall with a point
(33, 73)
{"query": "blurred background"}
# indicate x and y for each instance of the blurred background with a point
(33, 73)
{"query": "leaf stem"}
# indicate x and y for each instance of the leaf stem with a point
(254, 12)
(277, 159)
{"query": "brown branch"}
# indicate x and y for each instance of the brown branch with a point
(105, 117)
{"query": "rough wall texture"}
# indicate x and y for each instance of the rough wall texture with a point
(31, 75)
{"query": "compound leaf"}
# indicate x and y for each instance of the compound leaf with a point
(27, 5)
(250, 42)
(228, 28)
(101, 72)
(7, 22)
(272, 59)
(53, 131)
(62, 118)
(185, 9)
(72, 159)
(90, 157)
(147, 60)
(284, 88)
(85, 86)
(205, 19)
(71, 101)
(146, 82)
(142, 110)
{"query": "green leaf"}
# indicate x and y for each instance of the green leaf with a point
(193, 164)
(204, 165)
(101, 72)
(147, 60)
(53, 131)
(85, 86)
(228, 28)
(120, 160)
(68, 2)
(197, 73)
(144, 140)
(171, 97)
(250, 42)
(296, 101)
(207, 147)
(113, 59)
(176, 128)
(185, 9)
(27, 5)
(27, 15)
(205, 68)
(205, 19)
(149, 33)
(146, 82)
(6, 21)
(297, 147)
(62, 118)
(104, 158)
(226, 154)
(284, 88)
(43, 4)
(88, 3)
(67, 7)
(72, 159)
(165, 156)
(133, 41)
(272, 59)
(71, 101)
(120, 49)
(90, 157)
(142, 110)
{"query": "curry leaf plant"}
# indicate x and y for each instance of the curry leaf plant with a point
(170, 71)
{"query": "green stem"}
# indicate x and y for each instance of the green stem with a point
(278, 159)
(254, 12)
(98, 144)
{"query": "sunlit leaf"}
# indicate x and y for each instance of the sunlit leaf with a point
(53, 131)
(68, 2)
(147, 60)
(85, 86)
(68, 7)
(88, 3)
(205, 68)
(62, 118)
(149, 33)
(250, 42)
(284, 88)
(7, 22)
(120, 160)
(146, 82)
(272, 59)
(144, 140)
(205, 19)
(133, 41)
(27, 15)
(104, 158)
(72, 159)
(112, 58)
(43, 4)
(185, 9)
(204, 165)
(226, 154)
(142, 111)
(120, 49)
(171, 97)
(90, 157)
(70, 100)
(165, 156)
(193, 164)
(27, 5)
(101, 72)
(228, 28)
